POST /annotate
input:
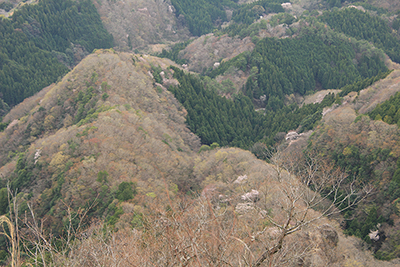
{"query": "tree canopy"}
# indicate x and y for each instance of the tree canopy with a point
(201, 16)
(235, 122)
(29, 40)
(364, 26)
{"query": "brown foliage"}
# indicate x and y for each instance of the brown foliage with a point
(141, 22)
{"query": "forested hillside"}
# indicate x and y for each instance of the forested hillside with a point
(379, 6)
(24, 68)
(92, 133)
(368, 151)
(137, 159)
(142, 25)
(388, 111)
(244, 16)
(317, 58)
(131, 166)
(216, 119)
(38, 36)
(202, 16)
(327, 60)
(363, 26)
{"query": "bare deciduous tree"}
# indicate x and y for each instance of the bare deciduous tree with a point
(217, 228)
(305, 183)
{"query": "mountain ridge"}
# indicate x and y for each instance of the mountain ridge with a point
(110, 144)
(129, 141)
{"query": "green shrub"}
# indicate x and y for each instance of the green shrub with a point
(126, 191)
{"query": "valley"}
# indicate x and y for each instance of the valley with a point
(208, 133)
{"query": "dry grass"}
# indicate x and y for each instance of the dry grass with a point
(11, 238)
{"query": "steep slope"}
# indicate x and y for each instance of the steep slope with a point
(369, 151)
(110, 140)
(135, 24)
(111, 144)
(209, 49)
(388, 4)
(104, 117)
(41, 39)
